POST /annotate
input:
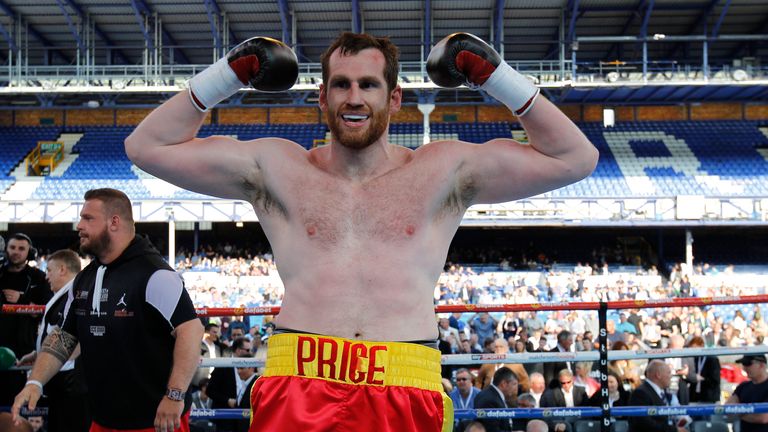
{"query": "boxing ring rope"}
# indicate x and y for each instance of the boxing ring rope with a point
(627, 411)
(525, 413)
(543, 413)
(544, 357)
(506, 307)
(602, 355)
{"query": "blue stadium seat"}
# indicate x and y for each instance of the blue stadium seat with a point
(709, 157)
(717, 158)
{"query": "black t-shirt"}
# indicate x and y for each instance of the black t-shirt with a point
(125, 333)
(635, 320)
(18, 332)
(749, 392)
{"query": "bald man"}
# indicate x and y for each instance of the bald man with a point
(536, 425)
(654, 391)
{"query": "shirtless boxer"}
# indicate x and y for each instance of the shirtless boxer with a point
(360, 228)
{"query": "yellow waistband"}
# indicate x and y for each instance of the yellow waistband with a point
(353, 362)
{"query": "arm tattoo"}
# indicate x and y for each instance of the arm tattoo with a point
(59, 344)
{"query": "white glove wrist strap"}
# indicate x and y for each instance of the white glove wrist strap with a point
(211, 86)
(511, 88)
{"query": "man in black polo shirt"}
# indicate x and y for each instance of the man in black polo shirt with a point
(20, 284)
(138, 331)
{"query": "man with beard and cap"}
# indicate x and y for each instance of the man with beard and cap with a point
(137, 328)
(754, 390)
(341, 217)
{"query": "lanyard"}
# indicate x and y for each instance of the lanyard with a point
(465, 403)
(701, 360)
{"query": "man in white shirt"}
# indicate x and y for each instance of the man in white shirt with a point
(65, 392)
(566, 395)
(444, 326)
(247, 375)
(210, 347)
(538, 386)
(226, 384)
(677, 386)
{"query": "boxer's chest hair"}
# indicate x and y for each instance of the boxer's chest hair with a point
(396, 209)
(378, 213)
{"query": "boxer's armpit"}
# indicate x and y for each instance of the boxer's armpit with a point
(59, 344)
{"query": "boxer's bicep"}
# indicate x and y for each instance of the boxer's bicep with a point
(217, 165)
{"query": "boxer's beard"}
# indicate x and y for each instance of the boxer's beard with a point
(358, 138)
(97, 244)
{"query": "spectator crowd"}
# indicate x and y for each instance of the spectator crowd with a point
(223, 276)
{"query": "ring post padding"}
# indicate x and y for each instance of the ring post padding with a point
(602, 340)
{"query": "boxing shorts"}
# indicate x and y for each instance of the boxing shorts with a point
(321, 383)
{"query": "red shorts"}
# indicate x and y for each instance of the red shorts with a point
(95, 427)
(320, 383)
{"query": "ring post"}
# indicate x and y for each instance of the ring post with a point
(602, 338)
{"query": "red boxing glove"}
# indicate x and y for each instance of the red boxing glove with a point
(264, 63)
(462, 58)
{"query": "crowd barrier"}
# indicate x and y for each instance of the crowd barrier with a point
(473, 308)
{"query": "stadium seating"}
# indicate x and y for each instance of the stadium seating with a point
(654, 159)
(102, 161)
(304, 134)
(16, 143)
(637, 159)
(473, 132)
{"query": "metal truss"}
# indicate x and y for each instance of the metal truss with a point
(542, 211)
(130, 82)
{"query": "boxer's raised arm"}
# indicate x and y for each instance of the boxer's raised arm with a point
(503, 169)
(164, 143)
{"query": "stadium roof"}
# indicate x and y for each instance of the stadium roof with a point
(598, 34)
